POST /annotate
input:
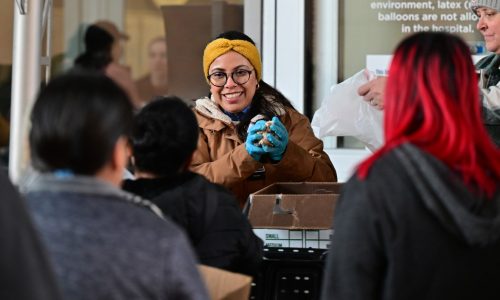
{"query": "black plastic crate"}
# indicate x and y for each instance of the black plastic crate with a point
(289, 273)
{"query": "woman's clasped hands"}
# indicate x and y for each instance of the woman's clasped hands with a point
(269, 138)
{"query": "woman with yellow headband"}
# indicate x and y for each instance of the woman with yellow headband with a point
(250, 134)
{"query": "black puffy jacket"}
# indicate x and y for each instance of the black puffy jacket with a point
(220, 234)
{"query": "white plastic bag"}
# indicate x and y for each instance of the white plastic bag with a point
(345, 113)
(491, 104)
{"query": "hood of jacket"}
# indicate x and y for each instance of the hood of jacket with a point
(88, 185)
(473, 218)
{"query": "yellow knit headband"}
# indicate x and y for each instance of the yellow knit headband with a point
(221, 46)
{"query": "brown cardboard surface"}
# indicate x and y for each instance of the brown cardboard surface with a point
(224, 285)
(294, 205)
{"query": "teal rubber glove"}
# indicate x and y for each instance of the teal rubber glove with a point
(279, 139)
(253, 137)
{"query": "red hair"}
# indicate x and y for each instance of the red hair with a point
(432, 101)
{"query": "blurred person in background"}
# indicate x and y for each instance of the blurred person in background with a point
(103, 51)
(155, 83)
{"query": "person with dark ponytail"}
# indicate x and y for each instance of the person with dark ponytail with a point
(98, 45)
(420, 218)
(250, 134)
(102, 53)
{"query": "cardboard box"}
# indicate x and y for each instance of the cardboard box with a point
(294, 214)
(224, 285)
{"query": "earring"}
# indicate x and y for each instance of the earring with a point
(258, 85)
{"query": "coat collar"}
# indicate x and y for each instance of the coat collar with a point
(85, 185)
(209, 108)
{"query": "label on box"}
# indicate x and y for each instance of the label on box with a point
(286, 238)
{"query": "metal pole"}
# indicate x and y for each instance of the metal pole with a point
(25, 79)
(47, 31)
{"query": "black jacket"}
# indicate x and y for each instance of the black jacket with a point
(412, 230)
(220, 234)
(25, 272)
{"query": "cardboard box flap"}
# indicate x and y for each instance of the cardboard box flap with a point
(225, 285)
(301, 188)
(294, 206)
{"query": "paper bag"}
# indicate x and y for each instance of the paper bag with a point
(224, 285)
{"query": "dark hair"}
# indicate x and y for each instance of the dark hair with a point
(164, 136)
(76, 122)
(431, 101)
(98, 45)
(266, 97)
(234, 35)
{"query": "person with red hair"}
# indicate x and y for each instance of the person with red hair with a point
(420, 218)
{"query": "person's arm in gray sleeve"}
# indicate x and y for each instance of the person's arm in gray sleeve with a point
(25, 269)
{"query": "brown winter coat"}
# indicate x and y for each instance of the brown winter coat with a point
(222, 158)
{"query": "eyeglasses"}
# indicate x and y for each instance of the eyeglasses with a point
(240, 76)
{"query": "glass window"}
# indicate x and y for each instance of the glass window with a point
(147, 20)
(368, 31)
(376, 26)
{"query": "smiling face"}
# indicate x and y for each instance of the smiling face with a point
(233, 97)
(489, 26)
